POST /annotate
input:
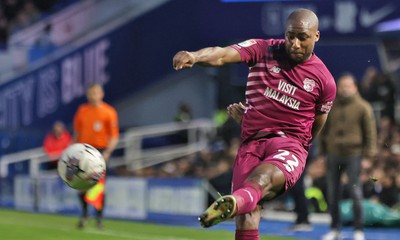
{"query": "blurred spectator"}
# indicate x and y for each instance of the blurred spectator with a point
(349, 137)
(228, 129)
(369, 190)
(11, 8)
(45, 41)
(26, 14)
(367, 81)
(385, 130)
(3, 30)
(378, 89)
(389, 193)
(397, 205)
(297, 192)
(203, 159)
(220, 116)
(43, 46)
(31, 11)
(16, 15)
(316, 172)
(20, 22)
(184, 113)
(219, 167)
(55, 142)
(220, 176)
(386, 95)
(394, 143)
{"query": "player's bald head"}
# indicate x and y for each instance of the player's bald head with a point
(301, 34)
(305, 17)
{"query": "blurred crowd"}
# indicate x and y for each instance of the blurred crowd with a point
(16, 15)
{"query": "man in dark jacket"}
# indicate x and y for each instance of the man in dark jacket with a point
(349, 137)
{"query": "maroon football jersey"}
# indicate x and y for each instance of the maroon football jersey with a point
(282, 96)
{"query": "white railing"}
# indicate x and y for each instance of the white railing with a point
(199, 132)
(35, 156)
(198, 136)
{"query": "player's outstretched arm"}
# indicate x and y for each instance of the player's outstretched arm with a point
(236, 111)
(210, 56)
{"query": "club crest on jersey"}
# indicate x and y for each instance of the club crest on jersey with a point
(275, 69)
(247, 43)
(308, 84)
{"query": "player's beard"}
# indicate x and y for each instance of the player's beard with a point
(297, 57)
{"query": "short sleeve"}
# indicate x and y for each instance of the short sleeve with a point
(252, 50)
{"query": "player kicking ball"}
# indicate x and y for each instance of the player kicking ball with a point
(288, 97)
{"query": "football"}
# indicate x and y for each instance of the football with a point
(81, 166)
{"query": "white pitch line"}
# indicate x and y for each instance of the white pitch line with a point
(106, 232)
(122, 234)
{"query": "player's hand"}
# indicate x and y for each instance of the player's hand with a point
(183, 59)
(236, 111)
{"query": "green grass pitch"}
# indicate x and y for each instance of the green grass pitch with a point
(16, 225)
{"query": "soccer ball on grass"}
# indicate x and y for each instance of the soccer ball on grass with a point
(81, 166)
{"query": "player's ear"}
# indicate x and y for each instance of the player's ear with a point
(317, 34)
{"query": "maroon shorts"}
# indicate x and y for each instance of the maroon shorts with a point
(285, 153)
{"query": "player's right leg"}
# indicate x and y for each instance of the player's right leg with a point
(265, 181)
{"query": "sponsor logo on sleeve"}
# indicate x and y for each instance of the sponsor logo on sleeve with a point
(247, 43)
(326, 107)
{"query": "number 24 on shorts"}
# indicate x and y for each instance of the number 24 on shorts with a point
(291, 161)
